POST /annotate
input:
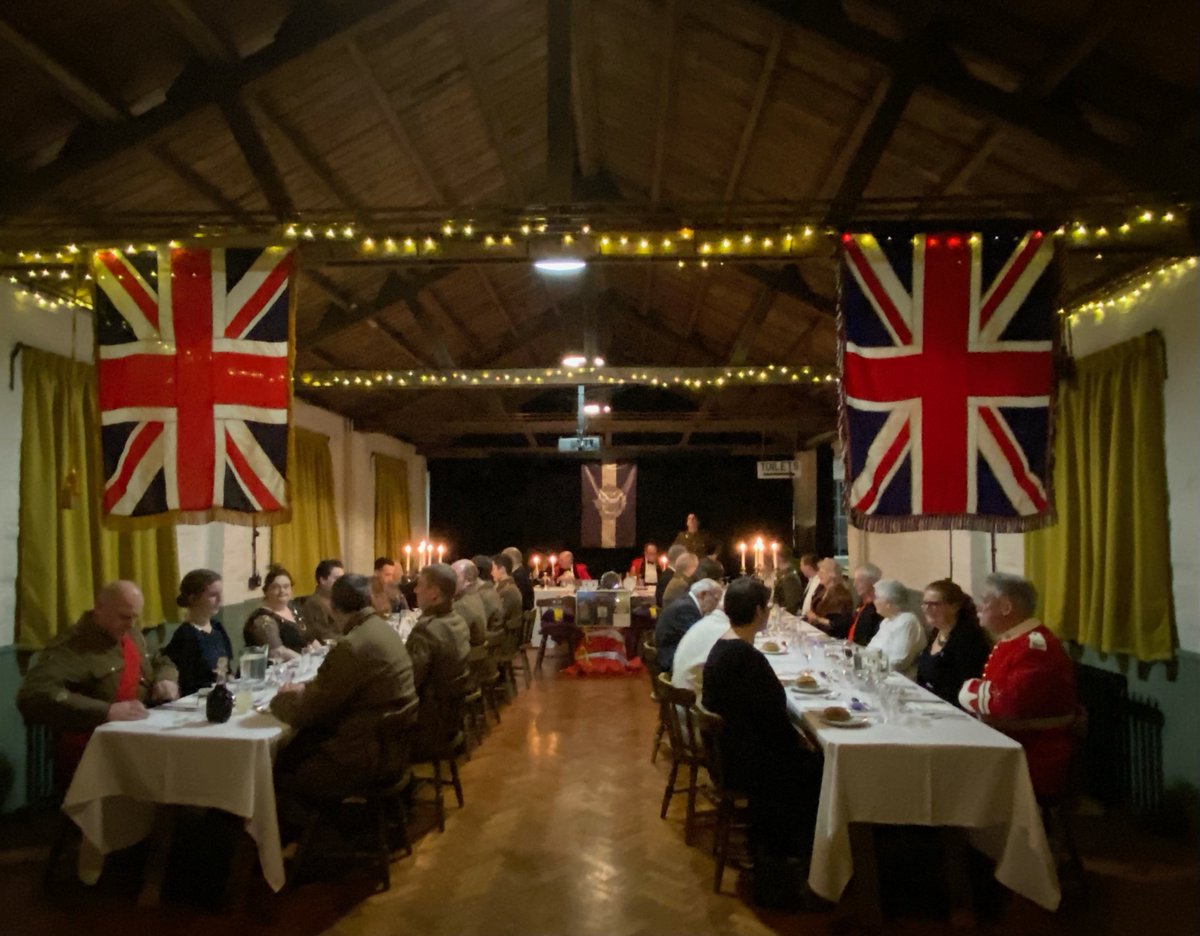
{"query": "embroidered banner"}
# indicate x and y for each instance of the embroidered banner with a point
(947, 345)
(609, 505)
(194, 360)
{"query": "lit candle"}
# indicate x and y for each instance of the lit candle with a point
(421, 550)
(407, 558)
(774, 556)
(758, 554)
(537, 566)
(662, 561)
(742, 550)
(553, 567)
(441, 550)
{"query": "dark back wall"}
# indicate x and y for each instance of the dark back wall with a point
(479, 505)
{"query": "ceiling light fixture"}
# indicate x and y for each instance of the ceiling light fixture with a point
(560, 266)
(573, 360)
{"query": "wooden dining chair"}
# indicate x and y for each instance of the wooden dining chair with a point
(451, 744)
(382, 796)
(687, 750)
(649, 657)
(732, 806)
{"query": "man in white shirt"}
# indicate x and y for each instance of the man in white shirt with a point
(694, 646)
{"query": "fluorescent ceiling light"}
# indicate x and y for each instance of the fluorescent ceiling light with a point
(560, 266)
(573, 360)
(591, 408)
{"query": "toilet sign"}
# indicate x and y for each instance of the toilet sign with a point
(777, 469)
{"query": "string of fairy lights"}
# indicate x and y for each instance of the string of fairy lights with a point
(59, 277)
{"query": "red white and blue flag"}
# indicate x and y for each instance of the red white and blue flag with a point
(194, 353)
(947, 347)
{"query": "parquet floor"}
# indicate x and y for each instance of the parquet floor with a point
(560, 835)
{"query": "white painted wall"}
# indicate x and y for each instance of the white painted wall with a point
(1172, 307)
(220, 546)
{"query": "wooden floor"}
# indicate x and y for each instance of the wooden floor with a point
(561, 835)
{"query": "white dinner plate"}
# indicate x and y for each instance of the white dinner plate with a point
(849, 723)
(811, 690)
(781, 652)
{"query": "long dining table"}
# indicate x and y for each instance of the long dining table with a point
(927, 764)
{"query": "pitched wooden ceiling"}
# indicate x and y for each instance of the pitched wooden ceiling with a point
(195, 112)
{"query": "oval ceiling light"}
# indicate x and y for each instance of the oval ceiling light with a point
(598, 361)
(591, 409)
(573, 360)
(560, 266)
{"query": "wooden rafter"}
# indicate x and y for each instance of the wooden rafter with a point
(196, 181)
(790, 281)
(666, 81)
(429, 330)
(618, 422)
(753, 321)
(94, 105)
(761, 89)
(394, 124)
(1050, 120)
(461, 14)
(210, 45)
(698, 298)
(310, 24)
(583, 89)
(560, 121)
(257, 155)
(658, 327)
(493, 294)
(316, 164)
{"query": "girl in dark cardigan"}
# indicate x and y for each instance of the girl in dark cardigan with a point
(200, 641)
(959, 646)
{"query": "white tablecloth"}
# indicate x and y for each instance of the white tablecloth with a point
(937, 766)
(176, 756)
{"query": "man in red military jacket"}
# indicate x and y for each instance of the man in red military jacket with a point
(1028, 683)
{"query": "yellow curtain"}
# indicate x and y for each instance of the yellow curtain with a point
(313, 533)
(64, 553)
(391, 506)
(1104, 570)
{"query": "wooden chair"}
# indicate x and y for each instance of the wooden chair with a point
(524, 645)
(382, 796)
(649, 658)
(732, 807)
(687, 750)
(450, 745)
(562, 632)
(495, 689)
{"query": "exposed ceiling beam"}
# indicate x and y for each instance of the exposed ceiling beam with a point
(257, 155)
(490, 288)
(1061, 125)
(583, 89)
(75, 90)
(462, 15)
(560, 121)
(349, 313)
(394, 124)
(310, 24)
(316, 164)
(210, 45)
(660, 330)
(761, 89)
(777, 446)
(439, 427)
(790, 281)
(517, 340)
(324, 282)
(666, 84)
(195, 181)
(698, 297)
(755, 316)
(429, 331)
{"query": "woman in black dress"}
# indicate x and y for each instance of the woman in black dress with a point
(959, 646)
(276, 624)
(764, 753)
(200, 641)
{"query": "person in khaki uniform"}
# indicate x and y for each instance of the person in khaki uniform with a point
(486, 590)
(508, 592)
(440, 647)
(368, 672)
(468, 603)
(98, 671)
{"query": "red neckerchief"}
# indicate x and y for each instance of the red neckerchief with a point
(127, 686)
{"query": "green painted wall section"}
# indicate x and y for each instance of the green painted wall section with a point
(12, 729)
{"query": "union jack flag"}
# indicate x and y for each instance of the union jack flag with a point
(947, 343)
(194, 383)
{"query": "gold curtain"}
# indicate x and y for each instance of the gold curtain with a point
(64, 553)
(312, 534)
(391, 506)
(1104, 570)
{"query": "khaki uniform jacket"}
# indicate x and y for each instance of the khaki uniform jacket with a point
(469, 606)
(492, 605)
(510, 601)
(676, 588)
(367, 673)
(72, 682)
(440, 647)
(695, 542)
(317, 618)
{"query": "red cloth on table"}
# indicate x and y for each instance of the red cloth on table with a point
(1030, 676)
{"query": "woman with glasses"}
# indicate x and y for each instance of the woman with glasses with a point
(958, 647)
